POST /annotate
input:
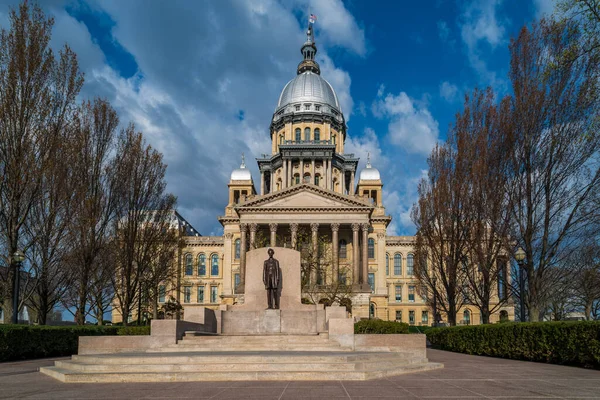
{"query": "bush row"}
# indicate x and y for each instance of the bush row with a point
(22, 342)
(569, 343)
(379, 326)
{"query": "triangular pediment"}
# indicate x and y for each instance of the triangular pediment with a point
(306, 196)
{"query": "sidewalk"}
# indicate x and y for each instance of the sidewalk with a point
(464, 376)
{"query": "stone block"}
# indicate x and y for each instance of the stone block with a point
(205, 316)
(335, 312)
(407, 343)
(299, 322)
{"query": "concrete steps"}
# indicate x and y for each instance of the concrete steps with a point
(234, 366)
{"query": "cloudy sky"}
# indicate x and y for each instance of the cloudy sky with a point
(201, 78)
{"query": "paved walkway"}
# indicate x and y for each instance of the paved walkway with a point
(463, 377)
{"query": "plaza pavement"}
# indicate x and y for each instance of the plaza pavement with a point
(464, 376)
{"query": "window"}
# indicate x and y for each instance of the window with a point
(343, 249)
(317, 177)
(238, 244)
(410, 262)
(317, 108)
(307, 107)
(398, 293)
(200, 294)
(297, 106)
(411, 294)
(317, 134)
(387, 264)
(398, 315)
(189, 270)
(467, 317)
(187, 294)
(236, 280)
(213, 294)
(397, 264)
(371, 281)
(424, 317)
(162, 290)
(298, 132)
(342, 278)
(371, 248)
(333, 139)
(202, 264)
(411, 317)
(307, 178)
(307, 134)
(297, 179)
(214, 265)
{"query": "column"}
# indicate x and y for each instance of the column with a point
(355, 264)
(351, 183)
(380, 255)
(273, 228)
(227, 253)
(253, 229)
(294, 234)
(327, 165)
(313, 171)
(262, 183)
(343, 181)
(314, 228)
(290, 173)
(243, 228)
(284, 173)
(301, 170)
(365, 253)
(335, 227)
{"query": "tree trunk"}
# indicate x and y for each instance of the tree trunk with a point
(534, 313)
(485, 313)
(588, 310)
(155, 307)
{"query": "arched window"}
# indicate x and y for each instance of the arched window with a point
(333, 139)
(189, 269)
(371, 248)
(410, 262)
(306, 178)
(317, 177)
(238, 243)
(387, 264)
(343, 249)
(298, 135)
(467, 317)
(397, 264)
(317, 134)
(281, 139)
(202, 264)
(307, 134)
(297, 179)
(214, 265)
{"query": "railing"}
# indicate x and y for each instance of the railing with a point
(307, 142)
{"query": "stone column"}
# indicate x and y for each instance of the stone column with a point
(273, 228)
(243, 228)
(253, 229)
(227, 277)
(351, 183)
(284, 174)
(365, 253)
(313, 171)
(327, 166)
(294, 232)
(314, 228)
(290, 173)
(262, 183)
(335, 227)
(355, 260)
(343, 181)
(301, 170)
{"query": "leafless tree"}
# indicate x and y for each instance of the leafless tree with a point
(585, 280)
(146, 233)
(554, 170)
(37, 92)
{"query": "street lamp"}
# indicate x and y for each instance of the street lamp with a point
(434, 301)
(17, 259)
(520, 257)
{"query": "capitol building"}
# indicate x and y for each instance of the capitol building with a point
(311, 197)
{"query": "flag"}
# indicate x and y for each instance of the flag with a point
(312, 19)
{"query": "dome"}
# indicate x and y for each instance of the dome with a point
(308, 87)
(369, 173)
(242, 173)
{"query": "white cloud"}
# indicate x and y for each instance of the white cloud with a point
(340, 80)
(449, 91)
(544, 7)
(411, 126)
(367, 144)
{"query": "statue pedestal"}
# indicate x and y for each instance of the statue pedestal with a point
(273, 322)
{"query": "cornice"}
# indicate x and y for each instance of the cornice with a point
(296, 209)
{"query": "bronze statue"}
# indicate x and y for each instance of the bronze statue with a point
(272, 279)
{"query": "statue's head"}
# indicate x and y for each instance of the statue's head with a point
(271, 252)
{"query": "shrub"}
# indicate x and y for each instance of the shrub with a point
(378, 326)
(21, 342)
(133, 330)
(418, 329)
(569, 342)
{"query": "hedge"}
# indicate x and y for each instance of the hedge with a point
(379, 326)
(569, 343)
(133, 330)
(23, 342)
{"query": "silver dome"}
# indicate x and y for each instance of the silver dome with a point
(369, 173)
(308, 87)
(242, 173)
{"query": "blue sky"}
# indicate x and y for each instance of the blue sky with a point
(201, 78)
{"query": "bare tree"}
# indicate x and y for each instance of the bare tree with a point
(146, 234)
(553, 168)
(586, 278)
(37, 92)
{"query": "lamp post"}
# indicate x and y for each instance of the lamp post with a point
(434, 302)
(17, 259)
(520, 257)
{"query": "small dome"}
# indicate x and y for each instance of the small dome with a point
(242, 173)
(308, 87)
(369, 173)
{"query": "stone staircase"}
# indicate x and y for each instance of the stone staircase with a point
(200, 357)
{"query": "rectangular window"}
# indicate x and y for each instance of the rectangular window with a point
(411, 317)
(411, 294)
(398, 294)
(187, 294)
(399, 315)
(214, 265)
(342, 278)
(200, 294)
(162, 290)
(307, 107)
(371, 280)
(297, 107)
(202, 265)
(317, 107)
(424, 317)
(213, 294)
(397, 264)
(236, 280)
(410, 265)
